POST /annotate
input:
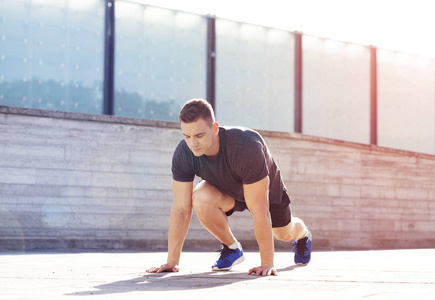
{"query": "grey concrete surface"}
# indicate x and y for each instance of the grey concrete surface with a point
(74, 180)
(387, 274)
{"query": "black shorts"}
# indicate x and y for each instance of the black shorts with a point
(280, 213)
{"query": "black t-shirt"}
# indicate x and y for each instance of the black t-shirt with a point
(243, 158)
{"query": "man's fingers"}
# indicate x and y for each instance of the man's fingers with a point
(163, 268)
(152, 270)
(174, 269)
(272, 271)
(263, 271)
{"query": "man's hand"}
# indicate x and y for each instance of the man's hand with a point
(263, 270)
(168, 267)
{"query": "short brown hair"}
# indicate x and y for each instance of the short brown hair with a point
(196, 109)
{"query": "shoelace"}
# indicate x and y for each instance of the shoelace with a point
(225, 251)
(301, 245)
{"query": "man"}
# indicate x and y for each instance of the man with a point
(238, 173)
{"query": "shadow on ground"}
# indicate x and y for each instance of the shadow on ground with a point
(175, 281)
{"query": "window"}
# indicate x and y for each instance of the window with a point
(336, 89)
(160, 60)
(255, 76)
(406, 108)
(51, 54)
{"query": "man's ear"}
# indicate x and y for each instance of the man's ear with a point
(215, 127)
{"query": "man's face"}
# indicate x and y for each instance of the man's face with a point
(200, 137)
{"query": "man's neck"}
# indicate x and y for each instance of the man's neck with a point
(216, 148)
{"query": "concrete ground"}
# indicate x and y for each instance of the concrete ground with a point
(388, 274)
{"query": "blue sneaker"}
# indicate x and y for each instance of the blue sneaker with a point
(303, 250)
(228, 258)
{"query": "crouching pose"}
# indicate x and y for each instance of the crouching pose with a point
(238, 173)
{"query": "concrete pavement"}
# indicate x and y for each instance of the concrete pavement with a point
(387, 274)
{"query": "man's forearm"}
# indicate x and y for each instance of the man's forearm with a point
(263, 233)
(256, 196)
(178, 227)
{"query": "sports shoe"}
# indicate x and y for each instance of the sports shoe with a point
(302, 249)
(228, 258)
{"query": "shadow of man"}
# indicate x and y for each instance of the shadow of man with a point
(175, 281)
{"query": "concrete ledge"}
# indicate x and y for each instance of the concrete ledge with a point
(85, 117)
(167, 124)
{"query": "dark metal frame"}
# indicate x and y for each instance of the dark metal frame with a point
(373, 96)
(298, 83)
(211, 61)
(109, 57)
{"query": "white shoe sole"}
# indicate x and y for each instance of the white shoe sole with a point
(238, 261)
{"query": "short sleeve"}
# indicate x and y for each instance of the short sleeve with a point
(251, 163)
(182, 164)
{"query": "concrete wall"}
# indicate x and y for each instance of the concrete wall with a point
(70, 180)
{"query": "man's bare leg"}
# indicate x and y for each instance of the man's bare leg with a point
(295, 230)
(210, 206)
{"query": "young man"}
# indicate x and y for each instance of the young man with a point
(238, 173)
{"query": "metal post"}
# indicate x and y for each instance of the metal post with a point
(373, 96)
(298, 82)
(109, 54)
(211, 61)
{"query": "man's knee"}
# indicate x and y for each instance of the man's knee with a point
(284, 234)
(292, 231)
(202, 196)
(206, 198)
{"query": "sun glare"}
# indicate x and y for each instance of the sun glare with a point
(399, 25)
